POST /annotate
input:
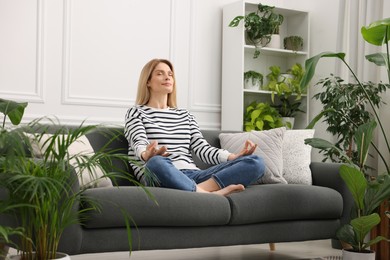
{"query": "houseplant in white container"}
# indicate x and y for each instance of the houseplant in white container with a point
(48, 186)
(253, 80)
(259, 26)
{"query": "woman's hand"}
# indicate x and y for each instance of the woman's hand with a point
(152, 150)
(248, 149)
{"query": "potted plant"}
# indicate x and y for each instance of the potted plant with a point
(253, 80)
(261, 116)
(287, 88)
(47, 188)
(259, 26)
(377, 33)
(367, 194)
(294, 43)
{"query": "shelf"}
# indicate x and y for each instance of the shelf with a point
(265, 92)
(276, 52)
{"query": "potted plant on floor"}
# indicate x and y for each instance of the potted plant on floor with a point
(259, 26)
(48, 186)
(286, 86)
(375, 191)
(261, 116)
(253, 80)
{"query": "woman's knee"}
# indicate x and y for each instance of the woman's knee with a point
(157, 163)
(256, 165)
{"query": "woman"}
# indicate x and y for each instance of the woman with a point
(161, 137)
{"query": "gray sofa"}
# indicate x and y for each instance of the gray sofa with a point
(175, 219)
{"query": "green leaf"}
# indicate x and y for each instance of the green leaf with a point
(260, 125)
(268, 118)
(347, 234)
(363, 138)
(13, 110)
(377, 33)
(363, 225)
(236, 21)
(254, 115)
(380, 59)
(356, 183)
(311, 64)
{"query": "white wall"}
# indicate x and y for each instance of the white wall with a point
(81, 59)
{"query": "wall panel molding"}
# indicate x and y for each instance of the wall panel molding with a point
(35, 96)
(69, 98)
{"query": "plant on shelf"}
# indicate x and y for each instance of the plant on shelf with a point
(47, 188)
(369, 192)
(261, 116)
(253, 79)
(259, 25)
(286, 86)
(294, 43)
(344, 109)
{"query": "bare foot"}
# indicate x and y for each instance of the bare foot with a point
(230, 189)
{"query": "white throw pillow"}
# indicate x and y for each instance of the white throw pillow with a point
(82, 146)
(269, 147)
(297, 156)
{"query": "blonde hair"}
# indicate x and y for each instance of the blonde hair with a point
(143, 93)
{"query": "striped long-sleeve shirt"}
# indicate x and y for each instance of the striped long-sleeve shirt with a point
(174, 128)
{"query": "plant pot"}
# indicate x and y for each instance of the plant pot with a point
(350, 255)
(275, 41)
(288, 122)
(294, 43)
(59, 256)
(248, 84)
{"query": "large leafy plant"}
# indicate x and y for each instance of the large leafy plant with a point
(368, 194)
(47, 188)
(344, 109)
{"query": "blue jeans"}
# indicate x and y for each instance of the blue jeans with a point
(243, 170)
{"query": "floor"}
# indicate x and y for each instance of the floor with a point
(320, 249)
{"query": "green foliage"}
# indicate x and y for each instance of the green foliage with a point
(13, 110)
(367, 194)
(259, 25)
(44, 191)
(344, 109)
(287, 88)
(261, 116)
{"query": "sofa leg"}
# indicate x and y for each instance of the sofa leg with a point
(272, 246)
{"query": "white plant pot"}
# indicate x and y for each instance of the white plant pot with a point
(349, 255)
(248, 84)
(275, 41)
(59, 256)
(288, 121)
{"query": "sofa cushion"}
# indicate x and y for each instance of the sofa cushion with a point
(297, 156)
(164, 207)
(279, 202)
(269, 147)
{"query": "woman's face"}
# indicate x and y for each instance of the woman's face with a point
(161, 80)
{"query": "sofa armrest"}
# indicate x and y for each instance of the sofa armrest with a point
(327, 175)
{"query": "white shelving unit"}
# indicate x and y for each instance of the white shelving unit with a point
(237, 57)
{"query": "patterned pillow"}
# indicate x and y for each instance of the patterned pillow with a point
(269, 146)
(297, 156)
